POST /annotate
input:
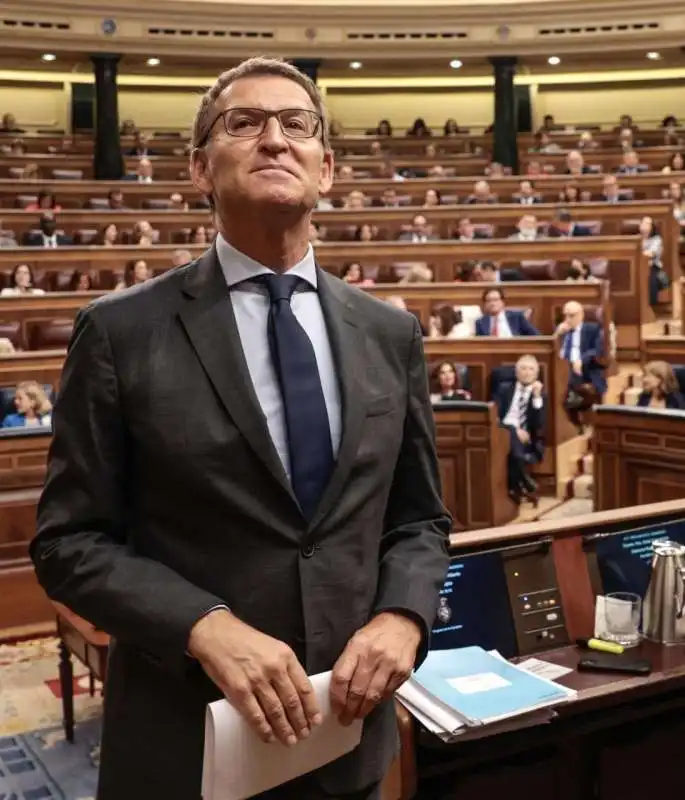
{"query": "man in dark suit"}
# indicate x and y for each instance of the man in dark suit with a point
(497, 320)
(467, 231)
(489, 272)
(243, 485)
(611, 191)
(420, 231)
(564, 227)
(144, 172)
(140, 148)
(47, 236)
(631, 164)
(521, 409)
(526, 195)
(582, 345)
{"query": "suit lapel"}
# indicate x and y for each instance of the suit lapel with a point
(349, 354)
(209, 321)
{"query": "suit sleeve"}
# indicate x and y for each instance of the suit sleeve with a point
(527, 328)
(81, 551)
(594, 352)
(413, 556)
(480, 326)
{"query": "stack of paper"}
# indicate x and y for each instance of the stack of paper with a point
(470, 692)
(238, 764)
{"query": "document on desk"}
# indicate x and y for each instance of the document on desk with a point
(238, 764)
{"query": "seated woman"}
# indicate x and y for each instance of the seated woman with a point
(108, 236)
(353, 273)
(660, 387)
(46, 201)
(34, 409)
(445, 383)
(136, 272)
(21, 282)
(447, 323)
(579, 272)
(80, 282)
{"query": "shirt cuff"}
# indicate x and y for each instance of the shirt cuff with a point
(537, 402)
(219, 606)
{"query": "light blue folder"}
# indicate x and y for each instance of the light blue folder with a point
(483, 688)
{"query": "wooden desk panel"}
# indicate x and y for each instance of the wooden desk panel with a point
(481, 354)
(473, 451)
(23, 459)
(638, 456)
(664, 348)
(44, 366)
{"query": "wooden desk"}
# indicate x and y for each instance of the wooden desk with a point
(472, 452)
(664, 348)
(481, 354)
(614, 721)
(23, 457)
(90, 646)
(638, 456)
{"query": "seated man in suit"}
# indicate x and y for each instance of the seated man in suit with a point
(499, 321)
(582, 345)
(521, 409)
(631, 164)
(48, 236)
(527, 229)
(564, 227)
(482, 194)
(489, 272)
(144, 173)
(140, 148)
(526, 195)
(611, 191)
(467, 231)
(419, 232)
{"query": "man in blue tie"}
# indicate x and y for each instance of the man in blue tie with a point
(243, 485)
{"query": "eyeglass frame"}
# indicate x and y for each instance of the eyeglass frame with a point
(269, 113)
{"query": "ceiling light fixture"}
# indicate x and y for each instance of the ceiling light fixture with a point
(49, 57)
(554, 61)
(356, 64)
(153, 62)
(653, 55)
(455, 63)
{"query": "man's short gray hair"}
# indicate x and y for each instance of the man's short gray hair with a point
(528, 359)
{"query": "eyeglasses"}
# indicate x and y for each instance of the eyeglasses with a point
(249, 123)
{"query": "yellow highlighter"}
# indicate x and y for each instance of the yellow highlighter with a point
(601, 645)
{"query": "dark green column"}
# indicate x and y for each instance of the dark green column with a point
(504, 137)
(108, 163)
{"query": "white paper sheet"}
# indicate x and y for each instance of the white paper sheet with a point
(238, 764)
(544, 669)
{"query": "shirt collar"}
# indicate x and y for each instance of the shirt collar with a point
(237, 267)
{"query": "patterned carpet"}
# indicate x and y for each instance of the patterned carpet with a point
(36, 762)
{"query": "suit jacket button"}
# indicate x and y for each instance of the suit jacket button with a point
(308, 550)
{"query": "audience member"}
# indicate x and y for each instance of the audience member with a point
(9, 124)
(365, 233)
(579, 272)
(611, 192)
(47, 236)
(80, 282)
(30, 173)
(653, 248)
(527, 229)
(389, 199)
(45, 201)
(388, 172)
(451, 128)
(563, 226)
(631, 164)
(587, 141)
(660, 387)
(199, 235)
(495, 170)
(575, 164)
(499, 321)
(447, 323)
(570, 193)
(431, 198)
(521, 410)
(136, 272)
(144, 172)
(419, 128)
(108, 236)
(384, 128)
(544, 144)
(6, 347)
(419, 232)
(115, 200)
(21, 282)
(315, 236)
(177, 202)
(181, 257)
(489, 272)
(481, 194)
(140, 147)
(417, 273)
(345, 172)
(128, 128)
(355, 200)
(445, 383)
(526, 195)
(676, 163)
(467, 231)
(144, 234)
(34, 409)
(582, 345)
(353, 273)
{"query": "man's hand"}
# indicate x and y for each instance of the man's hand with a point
(537, 389)
(524, 436)
(259, 675)
(376, 661)
(563, 327)
(577, 367)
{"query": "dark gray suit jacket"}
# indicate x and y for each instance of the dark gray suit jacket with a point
(165, 496)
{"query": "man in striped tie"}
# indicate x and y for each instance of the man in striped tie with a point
(521, 409)
(243, 488)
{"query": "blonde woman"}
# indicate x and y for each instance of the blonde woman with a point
(34, 409)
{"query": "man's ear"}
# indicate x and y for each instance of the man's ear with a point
(199, 171)
(326, 176)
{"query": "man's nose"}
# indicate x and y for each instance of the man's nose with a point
(272, 137)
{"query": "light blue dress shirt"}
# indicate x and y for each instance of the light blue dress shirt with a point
(251, 306)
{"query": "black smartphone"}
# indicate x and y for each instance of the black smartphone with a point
(606, 662)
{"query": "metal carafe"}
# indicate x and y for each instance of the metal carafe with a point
(663, 616)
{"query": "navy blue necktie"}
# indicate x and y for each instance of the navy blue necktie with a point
(306, 418)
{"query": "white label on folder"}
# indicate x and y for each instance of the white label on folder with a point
(483, 682)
